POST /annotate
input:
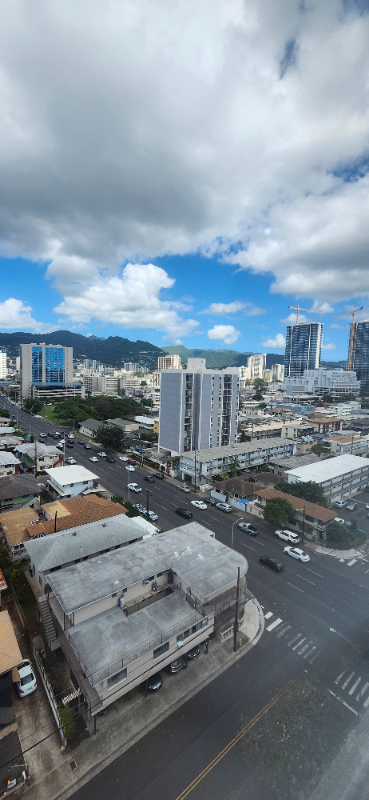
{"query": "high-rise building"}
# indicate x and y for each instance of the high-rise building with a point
(169, 362)
(45, 368)
(198, 407)
(303, 348)
(3, 367)
(278, 372)
(360, 356)
(130, 367)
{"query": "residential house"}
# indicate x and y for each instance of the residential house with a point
(325, 424)
(18, 491)
(14, 530)
(311, 520)
(213, 461)
(47, 455)
(6, 430)
(9, 464)
(71, 481)
(89, 426)
(10, 659)
(350, 442)
(63, 514)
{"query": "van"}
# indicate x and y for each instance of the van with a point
(288, 536)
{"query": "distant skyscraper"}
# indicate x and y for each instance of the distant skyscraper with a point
(303, 348)
(3, 367)
(360, 356)
(45, 367)
(169, 362)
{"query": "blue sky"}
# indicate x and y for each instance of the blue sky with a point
(184, 173)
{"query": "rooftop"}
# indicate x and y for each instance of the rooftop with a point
(189, 550)
(10, 654)
(15, 524)
(7, 458)
(79, 511)
(18, 486)
(213, 453)
(329, 468)
(320, 418)
(120, 637)
(311, 509)
(238, 486)
(292, 462)
(93, 424)
(6, 429)
(66, 476)
(82, 541)
(41, 449)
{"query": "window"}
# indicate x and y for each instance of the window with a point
(159, 651)
(119, 676)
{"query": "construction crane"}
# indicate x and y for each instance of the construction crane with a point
(309, 310)
(352, 331)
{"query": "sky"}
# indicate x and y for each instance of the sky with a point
(183, 172)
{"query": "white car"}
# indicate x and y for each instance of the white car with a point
(123, 458)
(27, 680)
(224, 507)
(199, 504)
(340, 504)
(129, 468)
(151, 515)
(296, 553)
(288, 536)
(340, 520)
(184, 489)
(94, 459)
(140, 508)
(102, 454)
(134, 487)
(70, 461)
(43, 435)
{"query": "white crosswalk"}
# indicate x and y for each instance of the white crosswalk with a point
(298, 643)
(352, 690)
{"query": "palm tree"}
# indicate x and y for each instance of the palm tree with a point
(234, 465)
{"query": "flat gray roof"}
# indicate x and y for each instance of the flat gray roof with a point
(293, 462)
(85, 540)
(8, 458)
(65, 476)
(329, 468)
(190, 551)
(212, 453)
(112, 639)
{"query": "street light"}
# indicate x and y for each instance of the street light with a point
(233, 524)
(303, 522)
(196, 453)
(148, 494)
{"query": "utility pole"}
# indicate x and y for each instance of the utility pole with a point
(35, 457)
(148, 493)
(235, 629)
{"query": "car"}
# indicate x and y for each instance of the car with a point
(80, 441)
(70, 461)
(123, 458)
(102, 454)
(94, 459)
(56, 433)
(340, 504)
(151, 515)
(224, 507)
(87, 447)
(27, 680)
(340, 520)
(184, 489)
(132, 462)
(155, 682)
(159, 475)
(272, 563)
(288, 536)
(352, 507)
(193, 653)
(60, 446)
(367, 506)
(129, 468)
(140, 508)
(184, 512)
(55, 436)
(110, 459)
(149, 479)
(43, 435)
(199, 504)
(134, 487)
(210, 501)
(69, 445)
(245, 526)
(174, 667)
(296, 553)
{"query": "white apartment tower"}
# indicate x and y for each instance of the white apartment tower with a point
(3, 367)
(169, 362)
(198, 407)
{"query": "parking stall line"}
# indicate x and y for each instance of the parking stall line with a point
(351, 563)
(354, 687)
(310, 652)
(362, 691)
(283, 631)
(304, 648)
(294, 639)
(340, 676)
(299, 643)
(348, 680)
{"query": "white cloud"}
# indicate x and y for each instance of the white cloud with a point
(224, 308)
(278, 343)
(205, 125)
(129, 300)
(226, 333)
(291, 319)
(329, 346)
(16, 315)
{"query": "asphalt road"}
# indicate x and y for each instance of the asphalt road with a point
(316, 623)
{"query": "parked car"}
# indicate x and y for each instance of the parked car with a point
(296, 553)
(155, 682)
(129, 468)
(193, 653)
(149, 479)
(70, 461)
(94, 459)
(288, 536)
(140, 508)
(43, 435)
(199, 504)
(340, 504)
(134, 487)
(132, 462)
(87, 447)
(80, 441)
(174, 667)
(210, 501)
(110, 459)
(184, 489)
(272, 563)
(123, 458)
(340, 520)
(184, 512)
(151, 515)
(102, 454)
(159, 475)
(352, 507)
(27, 680)
(224, 507)
(245, 526)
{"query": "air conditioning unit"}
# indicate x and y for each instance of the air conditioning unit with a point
(146, 582)
(154, 587)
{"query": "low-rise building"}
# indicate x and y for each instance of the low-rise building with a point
(351, 442)
(215, 460)
(9, 464)
(71, 481)
(6, 430)
(89, 426)
(339, 477)
(17, 528)
(18, 491)
(126, 424)
(47, 456)
(337, 383)
(311, 520)
(282, 465)
(10, 659)
(325, 424)
(145, 423)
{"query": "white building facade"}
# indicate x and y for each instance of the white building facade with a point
(337, 383)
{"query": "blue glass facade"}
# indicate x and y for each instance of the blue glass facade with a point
(303, 348)
(36, 364)
(54, 365)
(360, 358)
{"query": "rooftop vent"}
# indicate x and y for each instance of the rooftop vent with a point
(74, 533)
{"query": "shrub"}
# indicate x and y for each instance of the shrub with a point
(67, 721)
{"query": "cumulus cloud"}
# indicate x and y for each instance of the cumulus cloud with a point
(129, 300)
(329, 346)
(133, 130)
(276, 343)
(16, 315)
(249, 309)
(226, 333)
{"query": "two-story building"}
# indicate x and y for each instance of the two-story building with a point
(47, 456)
(216, 460)
(311, 520)
(9, 464)
(71, 481)
(339, 477)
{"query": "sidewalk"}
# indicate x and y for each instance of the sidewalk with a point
(343, 555)
(55, 775)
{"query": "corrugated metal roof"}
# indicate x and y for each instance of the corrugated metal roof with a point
(10, 654)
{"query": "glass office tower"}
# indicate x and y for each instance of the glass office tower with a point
(45, 366)
(360, 356)
(303, 348)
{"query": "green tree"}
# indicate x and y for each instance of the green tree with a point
(234, 465)
(320, 450)
(67, 721)
(244, 437)
(131, 511)
(258, 382)
(343, 536)
(278, 511)
(32, 404)
(4, 413)
(110, 437)
(258, 396)
(308, 490)
(262, 405)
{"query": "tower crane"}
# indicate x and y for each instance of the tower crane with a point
(352, 331)
(298, 309)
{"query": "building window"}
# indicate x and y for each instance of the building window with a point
(159, 651)
(119, 676)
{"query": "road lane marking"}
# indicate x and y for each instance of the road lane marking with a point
(366, 704)
(232, 743)
(362, 691)
(274, 624)
(299, 643)
(314, 573)
(343, 703)
(304, 648)
(310, 652)
(355, 685)
(268, 615)
(347, 681)
(305, 579)
(295, 587)
(293, 640)
(340, 676)
(351, 563)
(283, 630)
